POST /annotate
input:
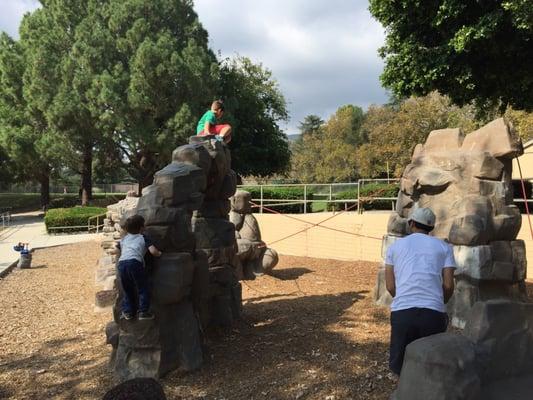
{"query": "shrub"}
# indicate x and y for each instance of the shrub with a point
(366, 195)
(75, 216)
(282, 193)
(19, 201)
(32, 201)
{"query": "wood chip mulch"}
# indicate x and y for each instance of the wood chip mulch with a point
(309, 331)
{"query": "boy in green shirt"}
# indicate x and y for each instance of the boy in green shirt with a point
(208, 123)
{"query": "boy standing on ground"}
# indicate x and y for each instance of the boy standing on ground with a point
(132, 271)
(419, 276)
(208, 123)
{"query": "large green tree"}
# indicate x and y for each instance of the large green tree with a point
(346, 123)
(30, 147)
(152, 74)
(330, 154)
(54, 84)
(124, 82)
(393, 132)
(472, 51)
(255, 107)
(310, 125)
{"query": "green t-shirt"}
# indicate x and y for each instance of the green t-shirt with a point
(209, 116)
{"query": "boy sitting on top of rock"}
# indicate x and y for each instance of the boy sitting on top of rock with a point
(132, 271)
(208, 123)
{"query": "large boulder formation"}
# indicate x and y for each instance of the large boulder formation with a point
(213, 231)
(466, 181)
(196, 280)
(255, 257)
(495, 348)
(151, 348)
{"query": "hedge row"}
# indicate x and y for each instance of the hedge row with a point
(366, 193)
(281, 193)
(75, 216)
(32, 201)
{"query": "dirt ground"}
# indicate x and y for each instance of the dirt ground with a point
(310, 331)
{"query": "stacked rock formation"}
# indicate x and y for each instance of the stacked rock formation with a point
(107, 291)
(152, 348)
(466, 181)
(196, 280)
(255, 258)
(214, 233)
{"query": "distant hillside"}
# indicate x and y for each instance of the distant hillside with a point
(294, 138)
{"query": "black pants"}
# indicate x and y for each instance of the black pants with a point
(409, 325)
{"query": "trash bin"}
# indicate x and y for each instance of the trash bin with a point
(25, 259)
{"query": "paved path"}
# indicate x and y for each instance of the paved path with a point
(29, 227)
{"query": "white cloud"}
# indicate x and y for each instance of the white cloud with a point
(323, 53)
(12, 12)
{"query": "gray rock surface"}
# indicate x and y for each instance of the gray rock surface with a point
(439, 367)
(195, 281)
(491, 359)
(215, 234)
(466, 181)
(254, 256)
(504, 332)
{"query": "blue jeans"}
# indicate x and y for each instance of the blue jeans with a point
(135, 284)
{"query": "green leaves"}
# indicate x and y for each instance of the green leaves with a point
(327, 152)
(469, 50)
(254, 107)
(128, 80)
(393, 133)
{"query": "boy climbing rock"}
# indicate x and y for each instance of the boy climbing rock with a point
(132, 272)
(208, 123)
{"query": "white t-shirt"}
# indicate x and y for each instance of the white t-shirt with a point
(418, 260)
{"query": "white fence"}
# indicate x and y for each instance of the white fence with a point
(326, 194)
(321, 193)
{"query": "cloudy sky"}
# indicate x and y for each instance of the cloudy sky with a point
(323, 53)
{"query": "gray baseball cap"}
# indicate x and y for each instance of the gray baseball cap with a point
(423, 216)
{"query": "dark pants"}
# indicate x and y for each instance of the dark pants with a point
(135, 285)
(409, 325)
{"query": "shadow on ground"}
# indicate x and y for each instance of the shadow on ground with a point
(290, 274)
(304, 348)
(59, 370)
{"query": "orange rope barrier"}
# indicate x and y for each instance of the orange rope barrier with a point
(312, 225)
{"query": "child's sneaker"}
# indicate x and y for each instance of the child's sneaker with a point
(126, 315)
(145, 315)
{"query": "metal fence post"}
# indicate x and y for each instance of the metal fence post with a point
(358, 195)
(305, 199)
(261, 209)
(329, 203)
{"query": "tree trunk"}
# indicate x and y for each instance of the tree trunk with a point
(144, 181)
(44, 181)
(87, 175)
(146, 170)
